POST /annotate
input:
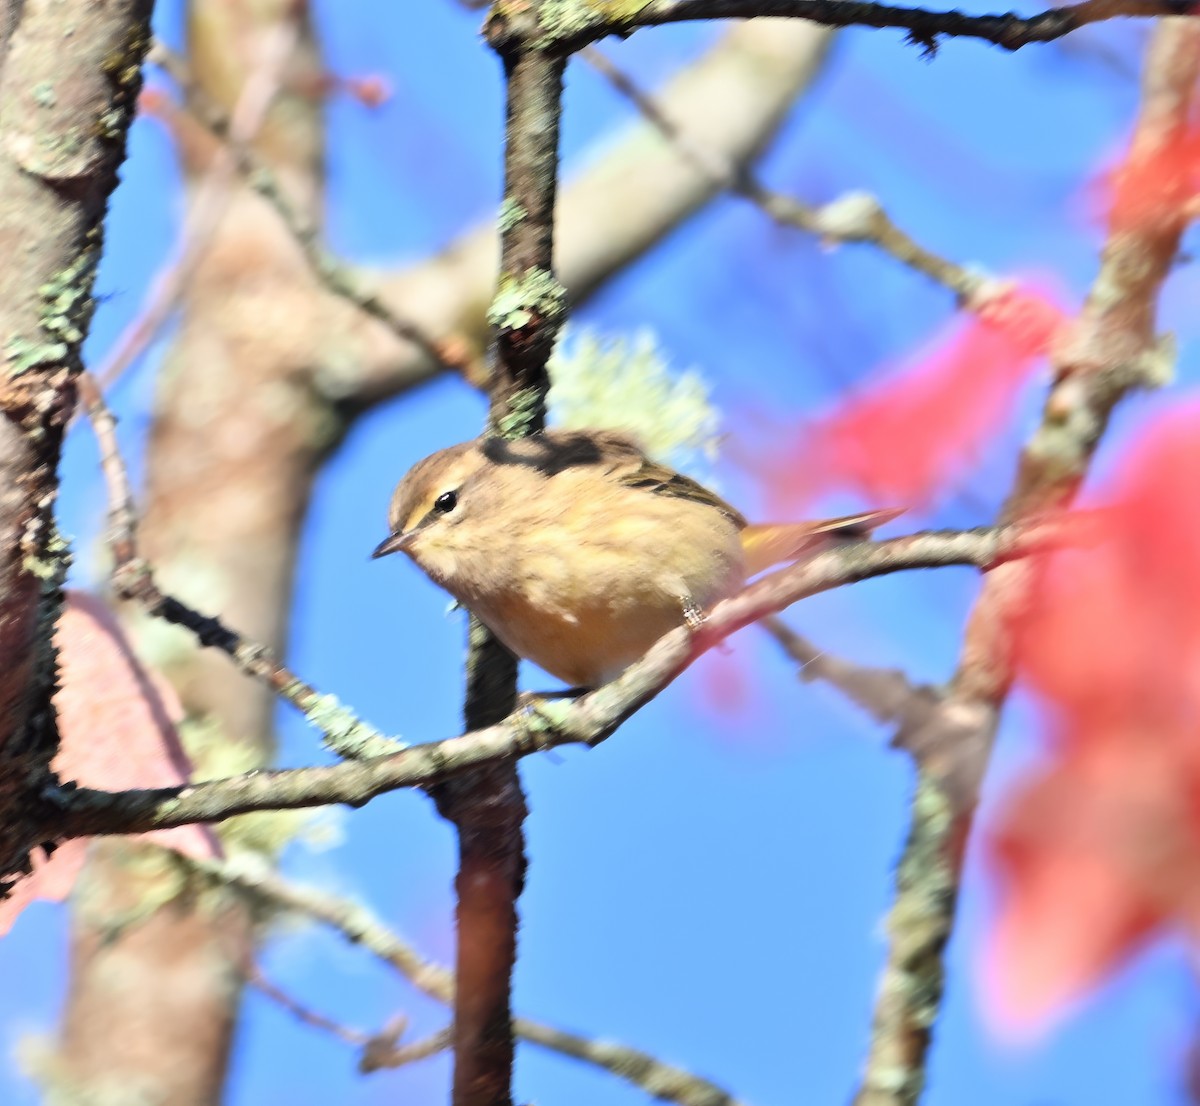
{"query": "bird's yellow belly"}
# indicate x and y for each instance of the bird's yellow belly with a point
(590, 647)
(587, 630)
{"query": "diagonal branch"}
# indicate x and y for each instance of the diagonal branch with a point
(133, 579)
(884, 693)
(855, 217)
(209, 202)
(634, 192)
(1112, 350)
(358, 926)
(376, 1050)
(73, 812)
(337, 278)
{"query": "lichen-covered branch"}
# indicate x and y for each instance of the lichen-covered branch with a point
(487, 806)
(66, 102)
(616, 209)
(133, 579)
(74, 812)
(1112, 349)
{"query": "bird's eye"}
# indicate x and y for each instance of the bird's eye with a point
(445, 503)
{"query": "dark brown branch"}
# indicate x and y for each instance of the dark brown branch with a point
(487, 806)
(924, 27)
(1112, 350)
(612, 213)
(132, 579)
(588, 720)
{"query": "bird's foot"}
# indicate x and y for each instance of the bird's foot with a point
(693, 617)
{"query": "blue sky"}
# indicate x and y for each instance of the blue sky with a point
(708, 885)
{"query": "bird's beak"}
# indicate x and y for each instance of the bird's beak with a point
(394, 543)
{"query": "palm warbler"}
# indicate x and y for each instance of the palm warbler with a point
(578, 551)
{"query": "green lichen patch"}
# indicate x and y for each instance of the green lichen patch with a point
(511, 213)
(518, 302)
(66, 309)
(525, 409)
(345, 733)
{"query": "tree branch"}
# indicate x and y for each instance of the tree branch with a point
(487, 805)
(66, 103)
(884, 693)
(76, 812)
(1112, 349)
(376, 1050)
(1009, 30)
(358, 926)
(133, 579)
(855, 217)
(336, 277)
(208, 204)
(630, 196)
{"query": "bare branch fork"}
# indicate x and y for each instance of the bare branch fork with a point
(133, 579)
(357, 925)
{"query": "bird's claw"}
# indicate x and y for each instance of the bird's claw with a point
(693, 616)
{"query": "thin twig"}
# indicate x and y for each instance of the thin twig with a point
(884, 693)
(336, 277)
(304, 1014)
(360, 927)
(376, 1050)
(210, 200)
(132, 579)
(855, 217)
(385, 1050)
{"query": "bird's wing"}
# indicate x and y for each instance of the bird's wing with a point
(660, 480)
(772, 543)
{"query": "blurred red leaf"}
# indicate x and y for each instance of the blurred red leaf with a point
(725, 681)
(1154, 182)
(116, 722)
(1101, 848)
(906, 437)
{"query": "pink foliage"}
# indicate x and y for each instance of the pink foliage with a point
(1100, 848)
(116, 723)
(904, 438)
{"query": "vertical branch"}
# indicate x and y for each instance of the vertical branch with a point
(66, 102)
(487, 806)
(1111, 350)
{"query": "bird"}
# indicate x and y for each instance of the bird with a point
(578, 551)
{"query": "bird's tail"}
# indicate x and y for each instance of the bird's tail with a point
(773, 543)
